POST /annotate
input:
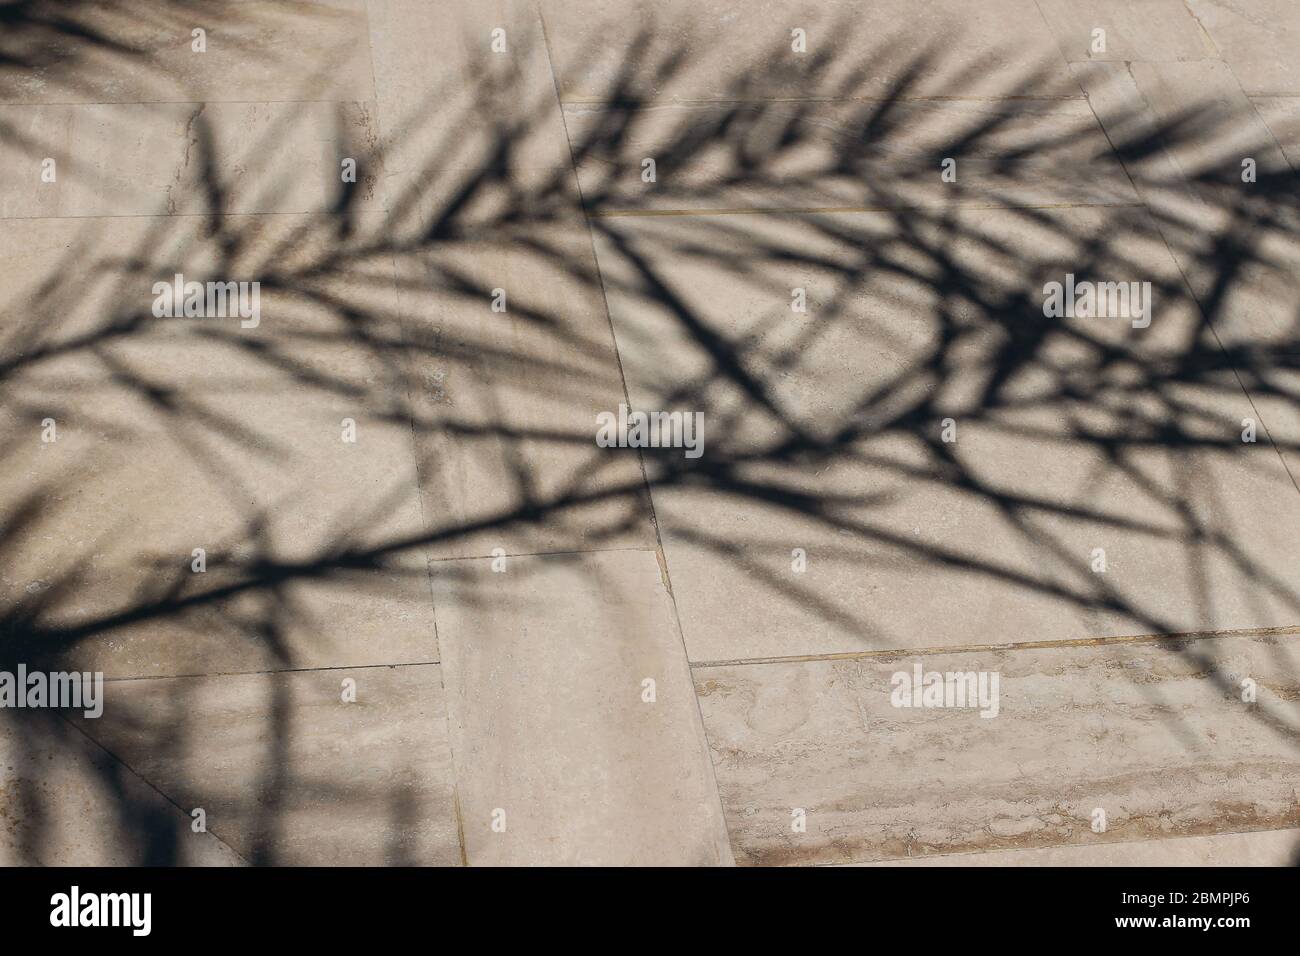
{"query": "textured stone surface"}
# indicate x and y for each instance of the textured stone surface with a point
(906, 546)
(290, 773)
(134, 51)
(505, 402)
(1282, 114)
(839, 155)
(1257, 39)
(155, 159)
(708, 50)
(1146, 31)
(1153, 733)
(1262, 848)
(546, 664)
(65, 801)
(800, 273)
(175, 434)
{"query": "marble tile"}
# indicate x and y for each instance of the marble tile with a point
(1261, 848)
(1153, 734)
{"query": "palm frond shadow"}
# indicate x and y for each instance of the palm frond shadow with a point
(824, 427)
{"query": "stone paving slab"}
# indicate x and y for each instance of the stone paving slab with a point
(840, 155)
(142, 160)
(812, 447)
(1262, 848)
(1153, 733)
(328, 308)
(506, 402)
(1234, 240)
(1152, 30)
(557, 743)
(138, 51)
(178, 434)
(1258, 39)
(826, 517)
(1282, 114)
(106, 566)
(708, 50)
(456, 96)
(1204, 120)
(288, 772)
(470, 121)
(65, 802)
(1256, 319)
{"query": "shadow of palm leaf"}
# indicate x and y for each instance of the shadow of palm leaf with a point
(825, 429)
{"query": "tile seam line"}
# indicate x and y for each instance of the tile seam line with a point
(1203, 31)
(150, 784)
(1236, 374)
(1042, 19)
(1164, 238)
(934, 651)
(726, 853)
(273, 670)
(1187, 283)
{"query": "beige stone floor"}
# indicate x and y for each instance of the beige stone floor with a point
(471, 636)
